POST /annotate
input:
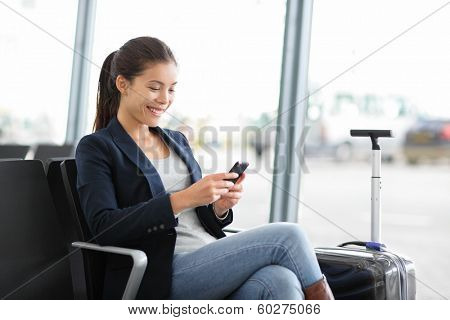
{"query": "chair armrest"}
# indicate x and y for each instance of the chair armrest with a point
(137, 271)
(232, 230)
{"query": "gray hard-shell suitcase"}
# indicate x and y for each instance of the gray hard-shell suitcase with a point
(368, 270)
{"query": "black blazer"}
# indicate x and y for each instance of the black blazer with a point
(125, 204)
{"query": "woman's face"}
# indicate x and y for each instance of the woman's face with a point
(150, 94)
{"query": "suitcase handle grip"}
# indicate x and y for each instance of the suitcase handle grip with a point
(368, 245)
(373, 134)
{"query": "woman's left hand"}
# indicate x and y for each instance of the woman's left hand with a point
(231, 198)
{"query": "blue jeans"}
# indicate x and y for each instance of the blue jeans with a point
(269, 262)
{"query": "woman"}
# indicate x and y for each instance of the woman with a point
(174, 215)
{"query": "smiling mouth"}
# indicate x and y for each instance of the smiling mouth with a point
(155, 111)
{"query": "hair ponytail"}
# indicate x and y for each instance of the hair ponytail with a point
(108, 96)
(129, 61)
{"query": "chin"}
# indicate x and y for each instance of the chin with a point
(152, 123)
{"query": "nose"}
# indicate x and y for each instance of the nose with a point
(163, 97)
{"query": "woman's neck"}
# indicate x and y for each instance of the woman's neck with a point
(137, 131)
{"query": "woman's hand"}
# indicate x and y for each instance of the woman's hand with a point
(209, 189)
(231, 198)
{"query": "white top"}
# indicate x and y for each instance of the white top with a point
(175, 177)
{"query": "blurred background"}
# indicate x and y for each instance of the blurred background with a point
(367, 69)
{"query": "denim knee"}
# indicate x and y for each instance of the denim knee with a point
(279, 282)
(290, 230)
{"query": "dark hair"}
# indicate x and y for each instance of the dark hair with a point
(129, 61)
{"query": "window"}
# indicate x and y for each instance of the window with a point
(36, 70)
(398, 85)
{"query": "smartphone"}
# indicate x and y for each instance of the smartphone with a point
(239, 168)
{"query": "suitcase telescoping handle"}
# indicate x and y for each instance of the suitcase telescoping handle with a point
(375, 235)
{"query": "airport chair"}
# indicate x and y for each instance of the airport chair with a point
(58, 192)
(47, 151)
(69, 225)
(94, 264)
(33, 255)
(13, 151)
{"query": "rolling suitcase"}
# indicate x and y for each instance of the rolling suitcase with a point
(368, 270)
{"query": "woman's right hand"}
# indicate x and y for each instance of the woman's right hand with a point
(209, 189)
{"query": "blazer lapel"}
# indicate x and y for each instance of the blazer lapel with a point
(123, 140)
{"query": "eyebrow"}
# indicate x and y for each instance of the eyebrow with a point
(162, 83)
